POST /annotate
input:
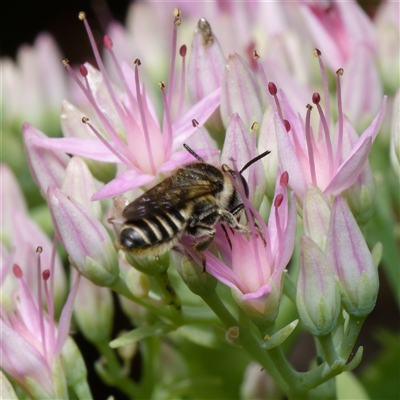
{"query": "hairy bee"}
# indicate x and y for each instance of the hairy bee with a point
(192, 201)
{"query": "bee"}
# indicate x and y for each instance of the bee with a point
(192, 201)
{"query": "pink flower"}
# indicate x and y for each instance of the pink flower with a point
(31, 343)
(254, 269)
(321, 157)
(20, 238)
(125, 129)
(338, 28)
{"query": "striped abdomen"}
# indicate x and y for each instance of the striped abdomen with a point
(155, 234)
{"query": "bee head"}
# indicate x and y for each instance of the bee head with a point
(234, 174)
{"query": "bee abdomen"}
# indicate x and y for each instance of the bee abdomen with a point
(158, 228)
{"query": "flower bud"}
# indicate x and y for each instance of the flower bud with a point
(206, 63)
(240, 92)
(138, 283)
(87, 242)
(152, 265)
(267, 141)
(79, 185)
(241, 146)
(318, 297)
(316, 216)
(47, 166)
(94, 311)
(192, 274)
(348, 253)
(75, 369)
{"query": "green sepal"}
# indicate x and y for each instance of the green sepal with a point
(277, 338)
(141, 333)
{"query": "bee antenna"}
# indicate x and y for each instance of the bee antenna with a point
(252, 161)
(195, 155)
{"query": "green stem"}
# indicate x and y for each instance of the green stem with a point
(289, 288)
(120, 287)
(168, 292)
(246, 338)
(350, 337)
(150, 364)
(329, 351)
(115, 372)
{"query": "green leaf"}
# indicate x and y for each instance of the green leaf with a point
(140, 334)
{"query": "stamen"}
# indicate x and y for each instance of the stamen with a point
(284, 180)
(167, 122)
(339, 73)
(108, 44)
(309, 145)
(203, 139)
(17, 271)
(39, 300)
(273, 91)
(254, 126)
(325, 85)
(143, 117)
(277, 203)
(264, 79)
(106, 143)
(171, 79)
(46, 275)
(316, 98)
(287, 125)
(110, 129)
(182, 53)
(100, 64)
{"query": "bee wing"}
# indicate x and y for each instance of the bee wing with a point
(164, 196)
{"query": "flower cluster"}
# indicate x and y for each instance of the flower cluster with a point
(248, 196)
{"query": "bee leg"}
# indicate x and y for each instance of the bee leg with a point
(229, 218)
(236, 211)
(202, 245)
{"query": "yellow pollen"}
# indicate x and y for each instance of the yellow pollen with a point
(85, 120)
(177, 12)
(254, 126)
(161, 85)
(65, 62)
(340, 71)
(82, 15)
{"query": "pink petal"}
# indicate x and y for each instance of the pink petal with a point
(240, 92)
(65, 318)
(93, 149)
(47, 165)
(350, 169)
(201, 111)
(260, 295)
(122, 183)
(20, 359)
(289, 160)
(206, 64)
